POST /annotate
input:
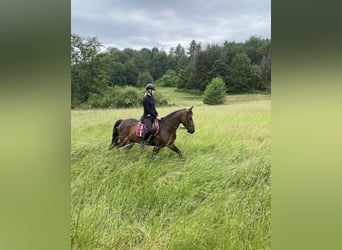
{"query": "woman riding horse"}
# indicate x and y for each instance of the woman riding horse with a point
(124, 131)
(150, 112)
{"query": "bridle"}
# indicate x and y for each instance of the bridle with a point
(187, 119)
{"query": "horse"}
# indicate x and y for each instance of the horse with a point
(124, 131)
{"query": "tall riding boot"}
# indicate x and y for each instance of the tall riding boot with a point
(149, 139)
(146, 137)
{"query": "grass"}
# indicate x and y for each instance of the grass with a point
(218, 197)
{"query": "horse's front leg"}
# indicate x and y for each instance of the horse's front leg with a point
(175, 149)
(155, 151)
(129, 146)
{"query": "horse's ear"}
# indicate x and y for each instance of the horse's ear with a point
(190, 109)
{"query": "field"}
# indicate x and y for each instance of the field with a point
(217, 197)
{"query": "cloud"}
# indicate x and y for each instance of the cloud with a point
(164, 24)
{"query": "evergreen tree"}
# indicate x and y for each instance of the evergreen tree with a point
(159, 63)
(194, 52)
(181, 58)
(215, 93)
(171, 60)
(239, 74)
(192, 48)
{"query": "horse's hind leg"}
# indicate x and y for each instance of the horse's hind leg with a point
(113, 144)
(123, 143)
(175, 149)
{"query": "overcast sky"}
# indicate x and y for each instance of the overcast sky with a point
(165, 23)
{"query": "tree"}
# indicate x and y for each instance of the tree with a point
(144, 78)
(183, 77)
(215, 93)
(193, 48)
(83, 49)
(159, 63)
(117, 74)
(171, 59)
(141, 62)
(254, 49)
(180, 57)
(88, 68)
(239, 74)
(230, 50)
(208, 66)
(169, 79)
(266, 70)
(131, 73)
(255, 77)
(194, 54)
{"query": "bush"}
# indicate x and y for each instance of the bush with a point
(169, 79)
(215, 92)
(160, 100)
(127, 97)
(119, 97)
(97, 101)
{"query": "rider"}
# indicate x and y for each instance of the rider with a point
(150, 112)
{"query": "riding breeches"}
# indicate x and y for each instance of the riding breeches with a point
(148, 121)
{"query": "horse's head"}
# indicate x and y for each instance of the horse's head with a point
(187, 121)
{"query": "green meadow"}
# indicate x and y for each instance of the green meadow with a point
(217, 197)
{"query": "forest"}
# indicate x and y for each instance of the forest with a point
(116, 78)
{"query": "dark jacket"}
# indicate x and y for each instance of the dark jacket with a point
(149, 107)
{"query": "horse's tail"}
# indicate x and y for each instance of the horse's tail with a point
(115, 135)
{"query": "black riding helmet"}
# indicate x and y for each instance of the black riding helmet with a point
(150, 86)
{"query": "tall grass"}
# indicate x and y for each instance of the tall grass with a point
(218, 197)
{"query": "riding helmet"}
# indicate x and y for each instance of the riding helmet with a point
(150, 86)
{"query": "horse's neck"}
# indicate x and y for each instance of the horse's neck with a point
(172, 121)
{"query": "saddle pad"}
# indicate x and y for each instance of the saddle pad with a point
(140, 130)
(155, 128)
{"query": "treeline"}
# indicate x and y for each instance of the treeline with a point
(96, 76)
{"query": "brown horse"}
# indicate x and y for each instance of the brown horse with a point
(124, 131)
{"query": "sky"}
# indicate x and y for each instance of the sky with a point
(164, 24)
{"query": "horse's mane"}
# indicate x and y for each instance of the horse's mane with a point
(172, 114)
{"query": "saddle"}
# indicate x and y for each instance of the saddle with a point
(140, 130)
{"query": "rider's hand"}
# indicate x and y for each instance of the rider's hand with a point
(158, 117)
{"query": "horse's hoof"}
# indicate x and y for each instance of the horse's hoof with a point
(111, 146)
